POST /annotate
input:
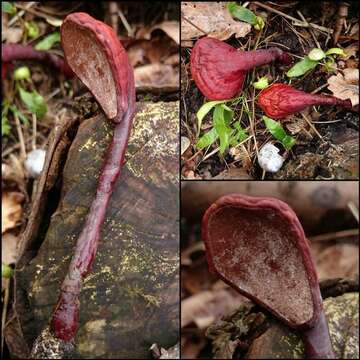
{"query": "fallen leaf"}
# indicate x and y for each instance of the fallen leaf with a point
(11, 210)
(185, 143)
(207, 306)
(156, 76)
(345, 86)
(9, 244)
(350, 51)
(338, 261)
(170, 28)
(211, 19)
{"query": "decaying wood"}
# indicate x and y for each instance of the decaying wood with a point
(239, 333)
(130, 298)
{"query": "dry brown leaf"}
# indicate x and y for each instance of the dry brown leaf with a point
(213, 18)
(346, 86)
(9, 248)
(170, 28)
(156, 76)
(207, 306)
(338, 261)
(11, 210)
(350, 51)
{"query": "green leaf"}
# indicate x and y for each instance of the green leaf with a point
(336, 51)
(278, 132)
(48, 42)
(239, 134)
(262, 83)
(6, 271)
(8, 7)
(222, 118)
(5, 126)
(316, 54)
(260, 23)
(301, 67)
(22, 73)
(19, 114)
(32, 29)
(207, 139)
(204, 110)
(34, 102)
(241, 13)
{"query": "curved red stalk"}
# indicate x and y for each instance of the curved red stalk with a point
(219, 69)
(258, 246)
(281, 100)
(11, 52)
(120, 107)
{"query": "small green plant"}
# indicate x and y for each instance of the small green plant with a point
(314, 58)
(224, 130)
(48, 42)
(278, 132)
(6, 271)
(32, 29)
(8, 7)
(261, 83)
(243, 14)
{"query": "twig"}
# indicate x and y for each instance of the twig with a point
(335, 235)
(4, 312)
(312, 126)
(310, 30)
(21, 137)
(297, 22)
(127, 26)
(34, 128)
(340, 21)
(21, 13)
(354, 210)
(319, 88)
(114, 10)
(191, 23)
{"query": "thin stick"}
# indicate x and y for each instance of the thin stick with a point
(33, 140)
(312, 126)
(335, 235)
(354, 210)
(297, 22)
(310, 30)
(127, 26)
(191, 23)
(4, 311)
(21, 137)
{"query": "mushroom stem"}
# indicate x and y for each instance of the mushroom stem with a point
(317, 340)
(65, 318)
(281, 100)
(11, 52)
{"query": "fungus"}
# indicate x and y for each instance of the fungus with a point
(281, 100)
(11, 52)
(219, 69)
(97, 57)
(258, 246)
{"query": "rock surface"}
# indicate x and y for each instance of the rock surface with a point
(130, 299)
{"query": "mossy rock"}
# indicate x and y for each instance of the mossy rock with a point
(242, 333)
(130, 299)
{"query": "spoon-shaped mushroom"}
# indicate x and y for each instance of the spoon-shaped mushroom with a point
(258, 246)
(219, 70)
(97, 57)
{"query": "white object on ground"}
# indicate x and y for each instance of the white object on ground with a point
(34, 162)
(269, 158)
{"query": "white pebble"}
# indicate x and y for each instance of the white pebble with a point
(269, 159)
(34, 162)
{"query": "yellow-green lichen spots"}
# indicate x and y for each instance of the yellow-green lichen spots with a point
(154, 138)
(92, 338)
